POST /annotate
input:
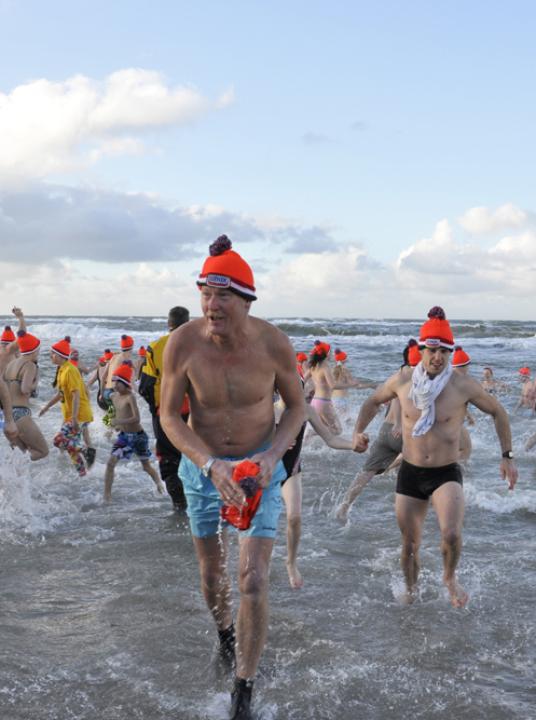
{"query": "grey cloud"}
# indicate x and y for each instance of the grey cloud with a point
(312, 138)
(309, 240)
(47, 222)
(365, 262)
(358, 126)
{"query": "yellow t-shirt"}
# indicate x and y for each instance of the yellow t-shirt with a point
(69, 379)
(154, 362)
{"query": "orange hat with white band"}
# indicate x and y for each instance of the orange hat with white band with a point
(320, 348)
(525, 371)
(226, 269)
(460, 357)
(142, 352)
(127, 343)
(414, 355)
(8, 336)
(339, 355)
(436, 331)
(124, 373)
(63, 347)
(301, 357)
(27, 343)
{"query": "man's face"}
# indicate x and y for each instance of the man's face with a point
(223, 310)
(487, 374)
(435, 360)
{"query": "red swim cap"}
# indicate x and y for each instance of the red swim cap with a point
(340, 355)
(460, 357)
(124, 373)
(414, 355)
(127, 343)
(63, 347)
(8, 336)
(226, 269)
(27, 343)
(436, 331)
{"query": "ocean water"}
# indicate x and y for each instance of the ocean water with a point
(101, 615)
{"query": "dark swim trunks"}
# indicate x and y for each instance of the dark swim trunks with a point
(422, 482)
(291, 459)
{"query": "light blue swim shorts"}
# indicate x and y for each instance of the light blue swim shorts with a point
(204, 501)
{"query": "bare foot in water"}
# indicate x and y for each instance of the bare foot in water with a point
(294, 576)
(407, 597)
(458, 596)
(342, 513)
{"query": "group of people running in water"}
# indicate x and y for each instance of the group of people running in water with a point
(227, 387)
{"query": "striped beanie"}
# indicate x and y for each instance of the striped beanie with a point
(63, 347)
(124, 373)
(226, 269)
(460, 357)
(8, 336)
(27, 343)
(436, 331)
(127, 343)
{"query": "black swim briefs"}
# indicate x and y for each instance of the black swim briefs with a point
(291, 459)
(422, 482)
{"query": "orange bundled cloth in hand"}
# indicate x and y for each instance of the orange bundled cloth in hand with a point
(245, 474)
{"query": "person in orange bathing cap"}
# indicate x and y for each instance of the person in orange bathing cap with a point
(22, 376)
(433, 399)
(229, 363)
(132, 438)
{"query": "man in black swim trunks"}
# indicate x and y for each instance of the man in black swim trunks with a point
(433, 400)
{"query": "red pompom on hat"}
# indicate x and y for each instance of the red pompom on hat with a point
(8, 336)
(340, 355)
(63, 347)
(524, 371)
(226, 269)
(127, 343)
(124, 373)
(142, 352)
(460, 357)
(414, 355)
(321, 348)
(436, 331)
(27, 343)
(301, 357)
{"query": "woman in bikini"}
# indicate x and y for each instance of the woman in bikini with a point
(324, 384)
(21, 376)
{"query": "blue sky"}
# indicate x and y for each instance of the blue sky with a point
(368, 159)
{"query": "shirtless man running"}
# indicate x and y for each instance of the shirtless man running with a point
(229, 364)
(433, 401)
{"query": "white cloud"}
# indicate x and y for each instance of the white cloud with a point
(49, 127)
(482, 220)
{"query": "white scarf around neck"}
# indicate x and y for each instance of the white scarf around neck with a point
(424, 391)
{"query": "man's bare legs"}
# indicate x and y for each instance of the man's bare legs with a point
(291, 491)
(215, 584)
(356, 488)
(448, 502)
(252, 619)
(410, 514)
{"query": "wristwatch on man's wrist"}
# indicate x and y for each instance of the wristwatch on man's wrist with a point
(508, 455)
(206, 467)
